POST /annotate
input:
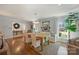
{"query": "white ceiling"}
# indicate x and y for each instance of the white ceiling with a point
(33, 11)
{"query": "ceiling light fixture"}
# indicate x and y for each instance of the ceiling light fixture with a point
(59, 4)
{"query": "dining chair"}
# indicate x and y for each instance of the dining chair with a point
(45, 37)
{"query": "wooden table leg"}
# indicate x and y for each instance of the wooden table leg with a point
(48, 42)
(41, 45)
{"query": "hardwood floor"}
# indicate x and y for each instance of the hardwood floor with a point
(31, 50)
(19, 47)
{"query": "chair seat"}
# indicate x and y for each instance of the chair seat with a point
(37, 43)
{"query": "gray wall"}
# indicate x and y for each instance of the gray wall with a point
(6, 25)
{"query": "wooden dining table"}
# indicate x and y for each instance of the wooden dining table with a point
(37, 37)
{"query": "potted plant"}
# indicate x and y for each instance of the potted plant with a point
(70, 23)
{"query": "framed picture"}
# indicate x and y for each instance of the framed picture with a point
(45, 26)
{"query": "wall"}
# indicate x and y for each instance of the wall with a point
(60, 21)
(53, 26)
(6, 24)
